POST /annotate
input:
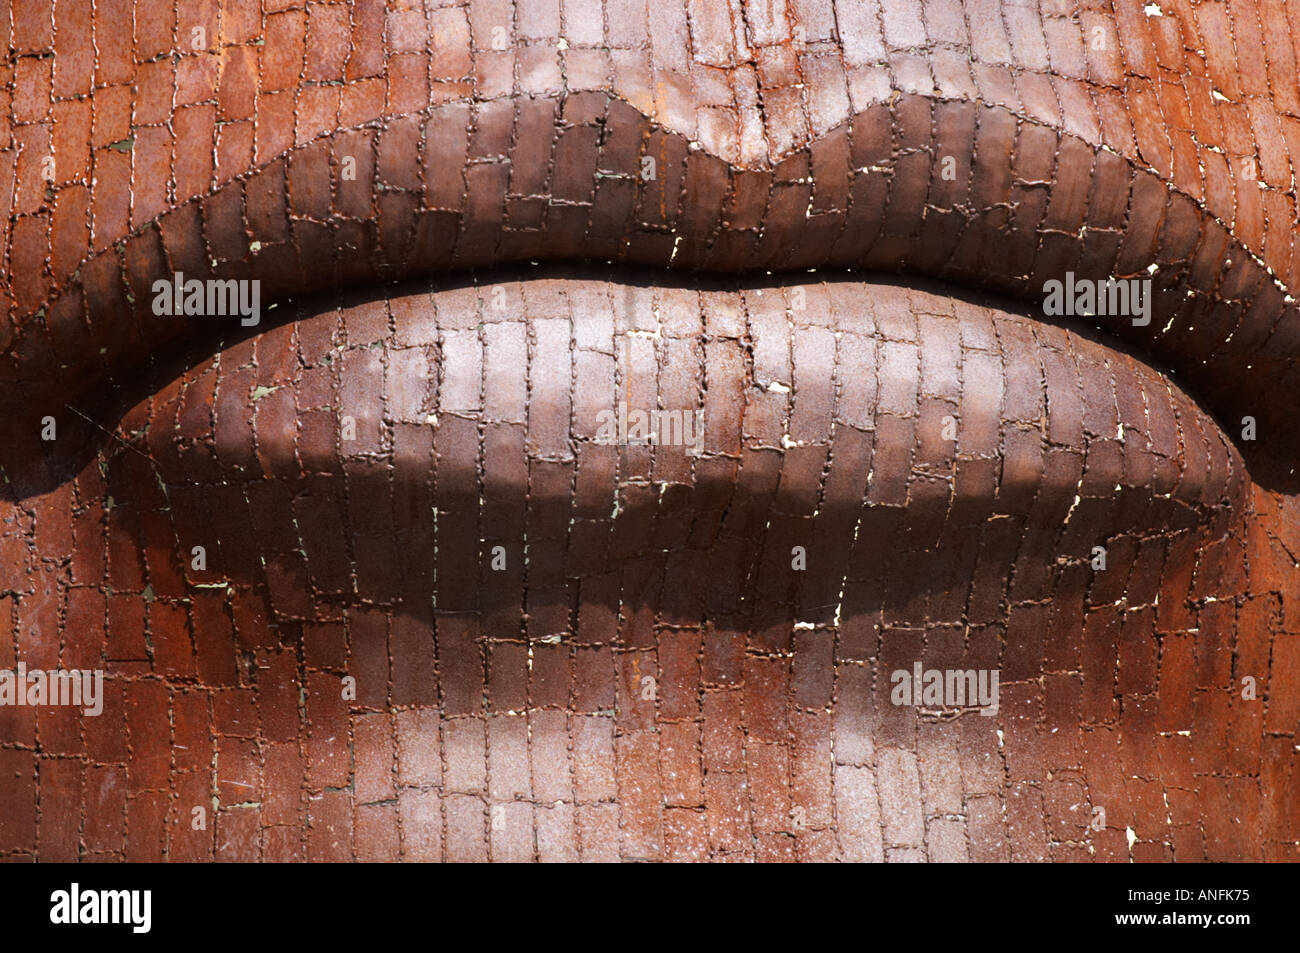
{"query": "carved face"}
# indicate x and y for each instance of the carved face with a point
(804, 429)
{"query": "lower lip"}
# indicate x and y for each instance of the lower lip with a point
(875, 425)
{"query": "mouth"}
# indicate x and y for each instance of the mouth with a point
(1032, 207)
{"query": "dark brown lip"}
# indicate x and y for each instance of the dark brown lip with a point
(270, 486)
(1217, 308)
(97, 411)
